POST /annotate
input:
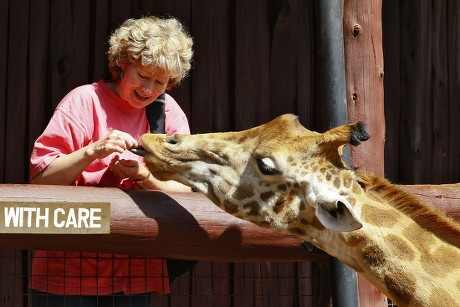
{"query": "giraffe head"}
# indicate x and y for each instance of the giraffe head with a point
(276, 175)
(282, 176)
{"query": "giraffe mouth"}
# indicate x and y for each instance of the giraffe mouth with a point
(140, 151)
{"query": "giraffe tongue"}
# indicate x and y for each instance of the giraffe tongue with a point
(140, 151)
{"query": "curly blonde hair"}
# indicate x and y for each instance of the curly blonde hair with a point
(154, 43)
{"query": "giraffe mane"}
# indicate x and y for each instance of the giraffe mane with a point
(429, 218)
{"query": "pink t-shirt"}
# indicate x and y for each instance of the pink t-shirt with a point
(85, 115)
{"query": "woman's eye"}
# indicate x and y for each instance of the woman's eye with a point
(142, 77)
(267, 167)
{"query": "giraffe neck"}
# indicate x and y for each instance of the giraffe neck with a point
(398, 250)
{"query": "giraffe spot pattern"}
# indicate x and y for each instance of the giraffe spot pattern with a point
(374, 256)
(352, 200)
(282, 187)
(379, 217)
(261, 223)
(441, 298)
(284, 207)
(402, 285)
(354, 240)
(224, 186)
(297, 231)
(265, 196)
(420, 239)
(356, 188)
(302, 206)
(279, 206)
(230, 207)
(252, 208)
(401, 249)
(436, 263)
(347, 181)
(212, 196)
(304, 221)
(337, 182)
(289, 216)
(316, 224)
(243, 192)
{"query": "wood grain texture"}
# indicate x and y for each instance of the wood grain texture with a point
(362, 26)
(167, 225)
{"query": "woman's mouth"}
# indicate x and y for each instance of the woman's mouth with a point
(141, 97)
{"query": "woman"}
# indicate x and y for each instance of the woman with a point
(87, 142)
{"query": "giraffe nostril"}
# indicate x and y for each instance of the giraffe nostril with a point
(171, 139)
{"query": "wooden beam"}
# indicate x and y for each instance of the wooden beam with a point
(179, 225)
(444, 197)
(155, 223)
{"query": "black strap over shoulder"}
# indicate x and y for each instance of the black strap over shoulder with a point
(156, 117)
(156, 114)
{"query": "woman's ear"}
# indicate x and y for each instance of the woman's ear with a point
(121, 71)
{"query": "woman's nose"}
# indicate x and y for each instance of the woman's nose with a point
(150, 87)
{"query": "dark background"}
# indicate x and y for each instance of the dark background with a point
(253, 60)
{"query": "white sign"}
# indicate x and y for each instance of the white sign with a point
(57, 218)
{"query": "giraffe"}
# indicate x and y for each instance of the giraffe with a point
(285, 177)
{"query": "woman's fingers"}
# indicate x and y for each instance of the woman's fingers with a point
(114, 142)
(125, 168)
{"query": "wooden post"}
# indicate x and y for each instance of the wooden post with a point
(364, 76)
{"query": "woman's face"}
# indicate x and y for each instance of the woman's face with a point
(139, 86)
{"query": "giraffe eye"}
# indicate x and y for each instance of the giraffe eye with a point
(267, 167)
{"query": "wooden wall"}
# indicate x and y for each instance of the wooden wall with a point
(253, 61)
(422, 90)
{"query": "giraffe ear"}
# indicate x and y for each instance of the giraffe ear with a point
(337, 214)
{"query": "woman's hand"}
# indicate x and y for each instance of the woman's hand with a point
(133, 169)
(141, 175)
(116, 141)
(65, 169)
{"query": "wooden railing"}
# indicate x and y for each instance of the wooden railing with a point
(177, 225)
(444, 197)
(154, 223)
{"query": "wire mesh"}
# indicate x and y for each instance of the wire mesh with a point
(206, 284)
